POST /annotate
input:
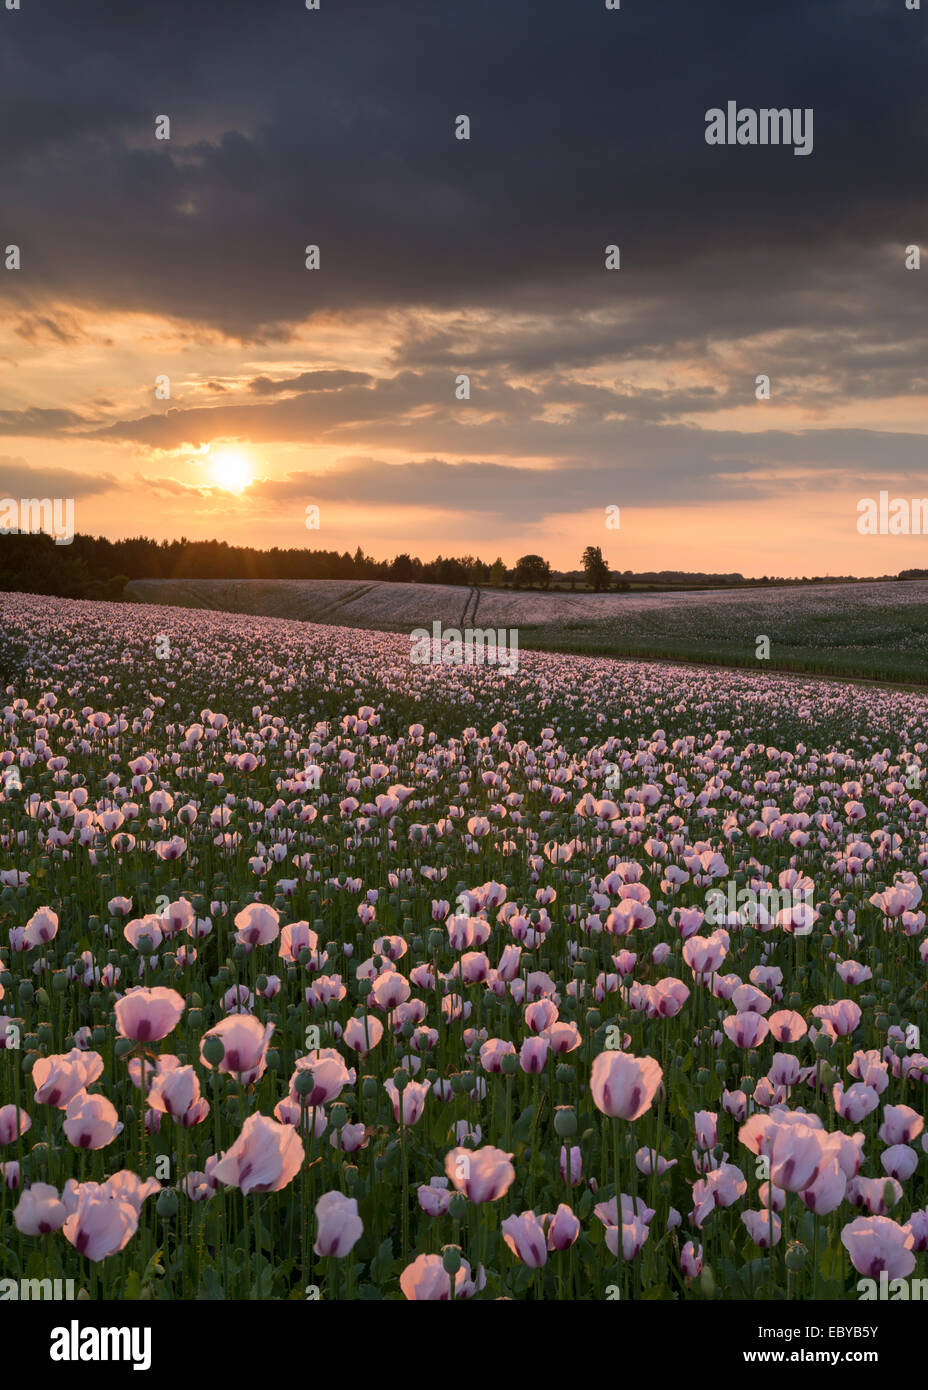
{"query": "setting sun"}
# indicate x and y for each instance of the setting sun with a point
(231, 470)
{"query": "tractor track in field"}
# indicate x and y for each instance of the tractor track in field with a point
(472, 596)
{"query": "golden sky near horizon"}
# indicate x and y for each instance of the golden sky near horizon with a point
(253, 434)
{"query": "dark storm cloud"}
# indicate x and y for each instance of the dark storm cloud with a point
(335, 127)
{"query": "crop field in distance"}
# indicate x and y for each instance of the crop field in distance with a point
(877, 631)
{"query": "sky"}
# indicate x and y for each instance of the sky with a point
(337, 388)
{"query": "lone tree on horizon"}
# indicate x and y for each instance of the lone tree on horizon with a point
(531, 570)
(596, 569)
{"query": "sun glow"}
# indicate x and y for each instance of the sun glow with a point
(231, 470)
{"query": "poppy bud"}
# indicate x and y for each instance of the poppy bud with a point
(213, 1051)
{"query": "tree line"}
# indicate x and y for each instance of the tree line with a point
(94, 567)
(97, 568)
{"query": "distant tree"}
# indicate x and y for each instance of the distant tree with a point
(477, 571)
(532, 570)
(401, 570)
(498, 573)
(595, 569)
(450, 571)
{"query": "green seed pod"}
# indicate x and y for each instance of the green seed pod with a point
(213, 1050)
(304, 1083)
(166, 1205)
(796, 1255)
(451, 1258)
(565, 1121)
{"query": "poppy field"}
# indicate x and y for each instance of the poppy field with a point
(326, 975)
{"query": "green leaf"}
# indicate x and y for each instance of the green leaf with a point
(382, 1263)
(210, 1287)
(523, 1124)
(261, 1288)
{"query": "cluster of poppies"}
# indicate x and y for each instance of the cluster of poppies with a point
(323, 974)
